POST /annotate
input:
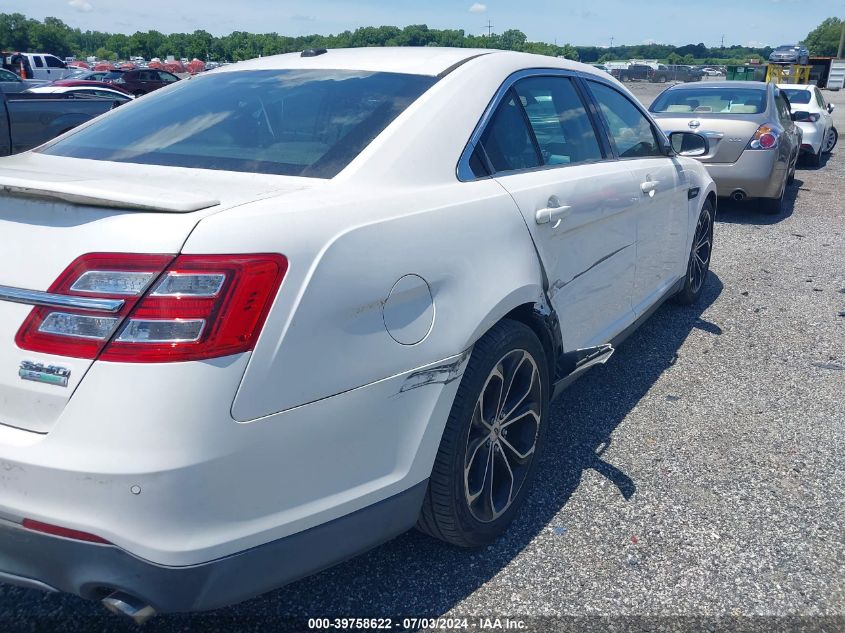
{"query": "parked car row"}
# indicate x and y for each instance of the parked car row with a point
(755, 135)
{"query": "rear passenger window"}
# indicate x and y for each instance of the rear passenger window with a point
(559, 119)
(632, 133)
(507, 140)
(38, 62)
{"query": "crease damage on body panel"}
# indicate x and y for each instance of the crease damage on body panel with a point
(441, 374)
(558, 285)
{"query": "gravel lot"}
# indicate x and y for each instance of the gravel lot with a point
(701, 472)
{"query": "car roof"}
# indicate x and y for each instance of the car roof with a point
(804, 87)
(414, 60)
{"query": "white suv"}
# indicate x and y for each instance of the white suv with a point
(260, 321)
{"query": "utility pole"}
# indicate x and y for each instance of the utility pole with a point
(611, 41)
(841, 41)
(489, 28)
(723, 41)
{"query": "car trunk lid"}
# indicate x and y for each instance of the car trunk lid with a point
(49, 220)
(727, 135)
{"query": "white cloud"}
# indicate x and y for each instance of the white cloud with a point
(478, 8)
(81, 5)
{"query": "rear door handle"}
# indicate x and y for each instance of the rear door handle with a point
(554, 212)
(649, 187)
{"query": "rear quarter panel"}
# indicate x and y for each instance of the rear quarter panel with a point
(326, 332)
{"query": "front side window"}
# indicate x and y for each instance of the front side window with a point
(54, 62)
(291, 122)
(712, 100)
(167, 77)
(559, 119)
(820, 99)
(630, 130)
(507, 140)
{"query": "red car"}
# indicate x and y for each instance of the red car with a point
(141, 80)
(90, 84)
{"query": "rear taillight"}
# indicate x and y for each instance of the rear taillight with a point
(189, 307)
(766, 137)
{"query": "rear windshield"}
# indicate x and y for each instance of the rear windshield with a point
(796, 95)
(715, 100)
(288, 122)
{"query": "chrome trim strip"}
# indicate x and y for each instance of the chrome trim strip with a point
(51, 300)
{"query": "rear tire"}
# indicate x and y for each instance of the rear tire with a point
(774, 206)
(699, 259)
(793, 165)
(493, 439)
(830, 141)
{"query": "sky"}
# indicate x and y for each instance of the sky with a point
(580, 22)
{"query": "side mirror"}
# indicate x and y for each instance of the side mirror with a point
(689, 144)
(830, 108)
(792, 116)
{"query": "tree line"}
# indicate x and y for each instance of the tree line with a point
(19, 33)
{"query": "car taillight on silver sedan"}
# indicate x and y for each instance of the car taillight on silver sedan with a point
(164, 308)
(766, 137)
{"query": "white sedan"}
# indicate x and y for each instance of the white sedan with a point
(265, 319)
(814, 117)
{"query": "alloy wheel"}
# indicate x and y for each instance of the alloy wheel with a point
(502, 436)
(830, 141)
(701, 247)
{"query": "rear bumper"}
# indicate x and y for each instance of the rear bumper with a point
(758, 173)
(50, 563)
(811, 140)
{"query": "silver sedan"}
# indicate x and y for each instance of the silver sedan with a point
(754, 143)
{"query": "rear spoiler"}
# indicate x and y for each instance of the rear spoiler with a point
(106, 193)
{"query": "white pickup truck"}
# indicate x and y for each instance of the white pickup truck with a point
(43, 66)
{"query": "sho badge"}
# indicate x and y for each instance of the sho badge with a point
(39, 372)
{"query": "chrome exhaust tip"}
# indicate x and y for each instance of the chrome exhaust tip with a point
(122, 603)
(738, 195)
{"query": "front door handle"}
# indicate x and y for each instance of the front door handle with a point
(554, 213)
(649, 187)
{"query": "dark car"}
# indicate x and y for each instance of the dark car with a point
(790, 54)
(643, 72)
(28, 120)
(141, 80)
(684, 73)
(87, 75)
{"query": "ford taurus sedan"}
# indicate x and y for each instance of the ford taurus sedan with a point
(753, 141)
(262, 320)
